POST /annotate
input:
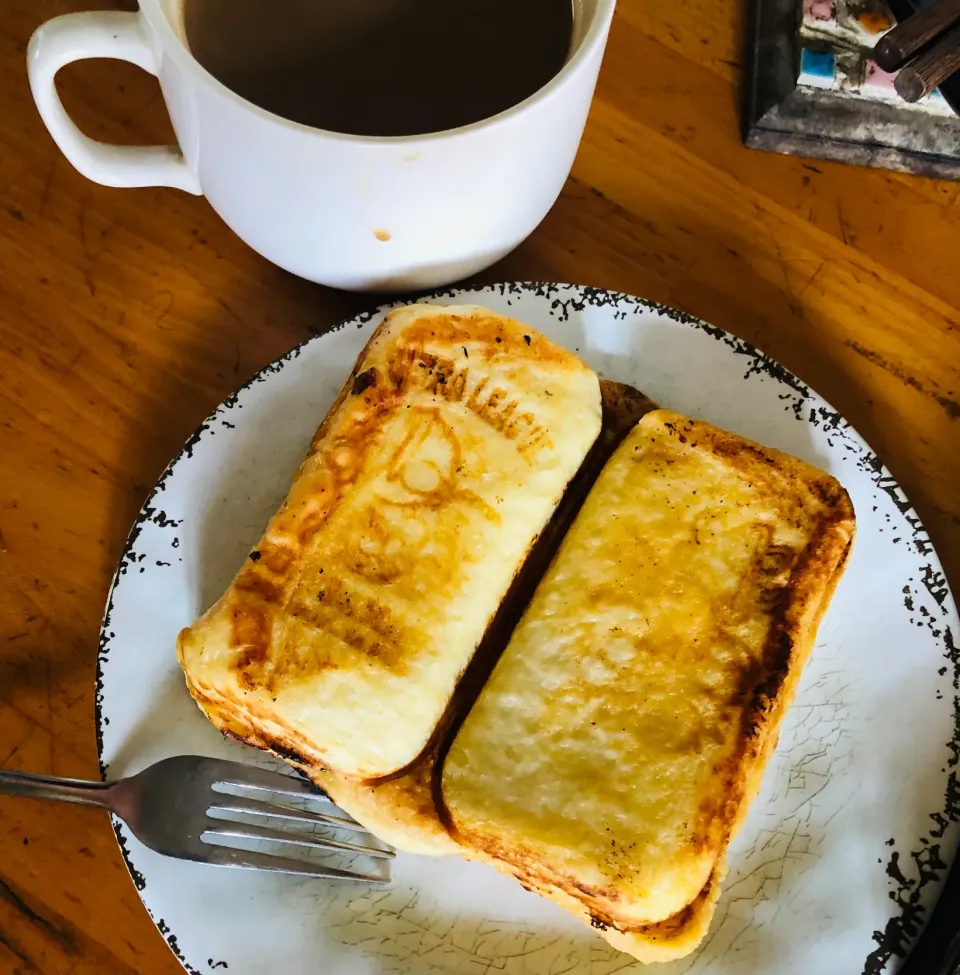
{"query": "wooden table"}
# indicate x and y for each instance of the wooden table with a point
(126, 316)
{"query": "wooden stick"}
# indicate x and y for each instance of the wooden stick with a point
(898, 45)
(930, 69)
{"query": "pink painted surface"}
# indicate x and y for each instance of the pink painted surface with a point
(876, 77)
(819, 9)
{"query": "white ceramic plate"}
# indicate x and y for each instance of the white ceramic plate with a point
(844, 851)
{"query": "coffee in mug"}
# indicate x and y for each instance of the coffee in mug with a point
(381, 67)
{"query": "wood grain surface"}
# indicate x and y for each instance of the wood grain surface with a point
(127, 315)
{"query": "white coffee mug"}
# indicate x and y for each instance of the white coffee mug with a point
(347, 211)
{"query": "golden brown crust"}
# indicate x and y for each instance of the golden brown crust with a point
(796, 611)
(401, 810)
(667, 940)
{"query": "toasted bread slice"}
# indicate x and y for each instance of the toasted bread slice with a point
(624, 731)
(340, 641)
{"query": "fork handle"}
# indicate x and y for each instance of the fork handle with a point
(64, 790)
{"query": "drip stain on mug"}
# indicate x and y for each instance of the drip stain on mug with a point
(381, 67)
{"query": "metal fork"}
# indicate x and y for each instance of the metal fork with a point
(168, 805)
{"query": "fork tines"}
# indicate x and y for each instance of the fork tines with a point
(221, 824)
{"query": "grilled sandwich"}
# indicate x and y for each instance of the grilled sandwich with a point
(341, 639)
(490, 624)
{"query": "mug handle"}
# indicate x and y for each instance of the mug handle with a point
(105, 34)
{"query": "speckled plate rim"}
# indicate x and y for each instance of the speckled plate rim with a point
(904, 933)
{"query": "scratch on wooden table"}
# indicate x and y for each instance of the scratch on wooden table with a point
(813, 277)
(842, 225)
(36, 722)
(7, 942)
(158, 306)
(13, 751)
(793, 302)
(950, 406)
(56, 932)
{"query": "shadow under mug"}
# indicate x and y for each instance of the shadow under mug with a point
(352, 212)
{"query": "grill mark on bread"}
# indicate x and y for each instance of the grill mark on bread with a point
(276, 558)
(251, 634)
(429, 423)
(363, 382)
(269, 577)
(362, 622)
(266, 743)
(442, 376)
(267, 580)
(497, 409)
(259, 584)
(483, 336)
